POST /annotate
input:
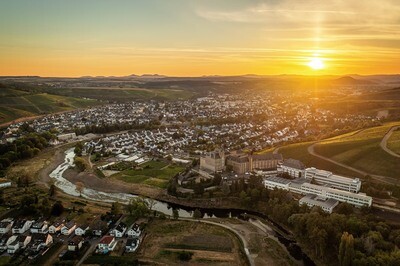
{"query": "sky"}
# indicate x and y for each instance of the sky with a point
(198, 37)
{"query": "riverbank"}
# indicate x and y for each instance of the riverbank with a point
(164, 203)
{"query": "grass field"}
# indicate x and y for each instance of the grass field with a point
(299, 152)
(15, 104)
(362, 151)
(153, 173)
(210, 245)
(394, 141)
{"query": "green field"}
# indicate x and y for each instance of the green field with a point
(299, 152)
(362, 151)
(153, 173)
(15, 104)
(394, 141)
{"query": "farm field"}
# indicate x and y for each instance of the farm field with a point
(299, 152)
(167, 240)
(124, 94)
(394, 141)
(22, 104)
(153, 173)
(362, 151)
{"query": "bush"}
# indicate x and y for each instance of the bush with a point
(184, 255)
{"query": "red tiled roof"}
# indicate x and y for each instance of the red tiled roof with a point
(106, 240)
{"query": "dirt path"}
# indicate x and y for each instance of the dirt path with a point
(383, 143)
(245, 243)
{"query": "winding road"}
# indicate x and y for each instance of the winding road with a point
(383, 143)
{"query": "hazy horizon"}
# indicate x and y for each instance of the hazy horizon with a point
(192, 38)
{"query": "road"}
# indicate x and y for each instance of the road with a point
(250, 257)
(383, 143)
(89, 251)
(386, 179)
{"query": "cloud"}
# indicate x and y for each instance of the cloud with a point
(311, 11)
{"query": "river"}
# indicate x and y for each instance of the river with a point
(163, 207)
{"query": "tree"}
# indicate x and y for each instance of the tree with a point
(175, 214)
(52, 190)
(78, 149)
(199, 189)
(80, 164)
(116, 208)
(217, 179)
(346, 249)
(79, 186)
(57, 209)
(225, 189)
(138, 207)
(344, 208)
(197, 214)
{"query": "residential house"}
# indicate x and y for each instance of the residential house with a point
(5, 226)
(40, 240)
(81, 230)
(55, 227)
(132, 244)
(99, 227)
(134, 231)
(107, 243)
(118, 230)
(3, 242)
(40, 227)
(21, 226)
(12, 244)
(24, 240)
(68, 228)
(75, 243)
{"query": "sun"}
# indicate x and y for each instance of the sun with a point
(316, 63)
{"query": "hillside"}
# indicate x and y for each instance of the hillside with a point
(16, 103)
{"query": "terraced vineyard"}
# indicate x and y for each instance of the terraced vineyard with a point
(16, 104)
(362, 150)
(124, 94)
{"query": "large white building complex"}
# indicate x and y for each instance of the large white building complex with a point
(304, 187)
(336, 181)
(313, 200)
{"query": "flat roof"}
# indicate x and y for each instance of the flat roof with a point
(319, 201)
(278, 179)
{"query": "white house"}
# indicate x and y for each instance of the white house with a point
(75, 243)
(56, 227)
(40, 227)
(3, 242)
(132, 244)
(134, 231)
(81, 230)
(107, 243)
(119, 230)
(12, 244)
(21, 226)
(40, 241)
(68, 228)
(24, 240)
(5, 226)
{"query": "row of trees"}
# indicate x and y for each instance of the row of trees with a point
(107, 128)
(25, 147)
